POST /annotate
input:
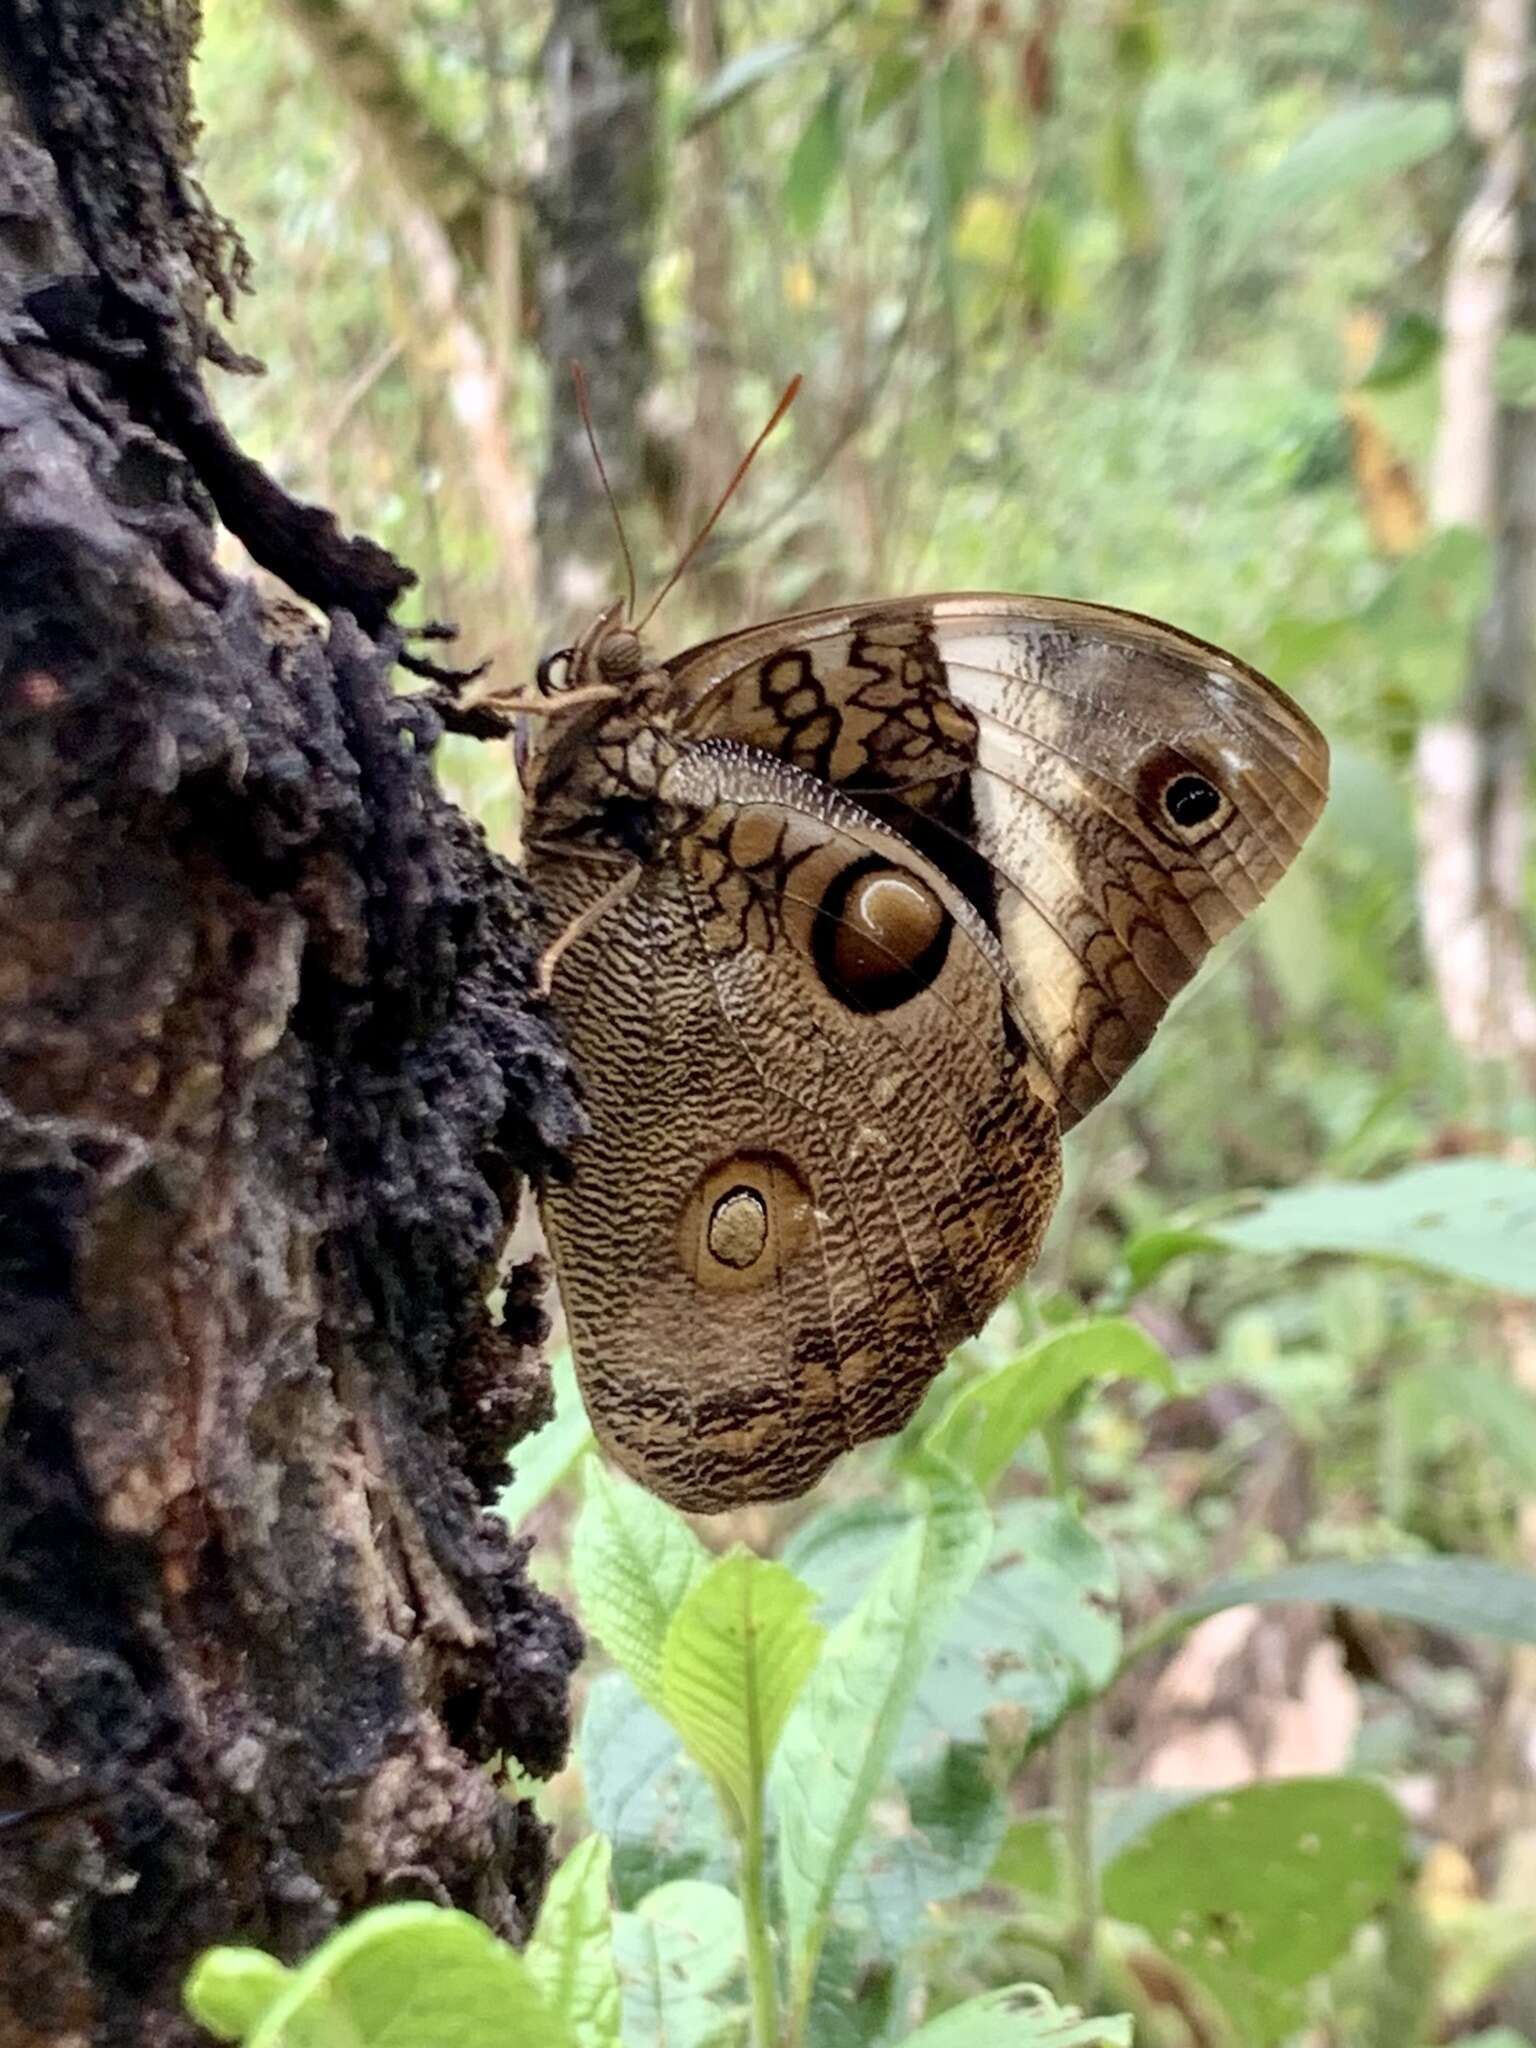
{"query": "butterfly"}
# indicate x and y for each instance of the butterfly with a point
(859, 911)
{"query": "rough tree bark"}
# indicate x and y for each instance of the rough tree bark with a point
(269, 1076)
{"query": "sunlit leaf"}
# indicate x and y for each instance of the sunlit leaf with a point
(738, 1650)
(1375, 139)
(229, 1990)
(983, 1427)
(1256, 1891)
(1020, 2016)
(1407, 349)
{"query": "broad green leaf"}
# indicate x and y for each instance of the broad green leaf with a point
(1407, 349)
(1481, 1398)
(736, 78)
(740, 1647)
(633, 1560)
(1020, 2016)
(1375, 139)
(1463, 1595)
(1035, 1633)
(570, 1956)
(644, 1794)
(944, 1844)
(839, 1550)
(677, 1954)
(1474, 1219)
(542, 1460)
(838, 1742)
(228, 1990)
(815, 162)
(983, 1427)
(1149, 1251)
(411, 1977)
(1255, 1892)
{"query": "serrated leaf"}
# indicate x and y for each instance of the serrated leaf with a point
(1351, 147)
(411, 1977)
(570, 1955)
(1474, 1219)
(1020, 2016)
(677, 1953)
(1257, 1891)
(989, 1419)
(633, 1560)
(814, 163)
(1463, 1595)
(838, 1742)
(644, 1794)
(541, 1461)
(740, 1647)
(229, 1990)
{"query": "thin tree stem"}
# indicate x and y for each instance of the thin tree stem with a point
(761, 1971)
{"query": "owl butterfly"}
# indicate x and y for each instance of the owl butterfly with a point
(861, 909)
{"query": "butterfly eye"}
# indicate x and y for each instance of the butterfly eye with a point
(1190, 800)
(544, 675)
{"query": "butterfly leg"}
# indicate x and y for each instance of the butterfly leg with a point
(580, 925)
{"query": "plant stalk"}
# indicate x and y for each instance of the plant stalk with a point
(761, 1971)
(1074, 1764)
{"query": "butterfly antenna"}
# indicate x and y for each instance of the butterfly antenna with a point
(579, 379)
(791, 392)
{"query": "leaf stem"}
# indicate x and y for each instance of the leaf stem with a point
(1074, 1764)
(761, 1971)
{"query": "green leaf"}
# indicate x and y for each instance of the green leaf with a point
(633, 1561)
(680, 1949)
(814, 163)
(1029, 1859)
(1036, 1632)
(892, 76)
(1474, 1219)
(1480, 1398)
(1257, 1891)
(1020, 2016)
(411, 1977)
(738, 1651)
(961, 127)
(1406, 350)
(988, 1420)
(839, 1741)
(736, 78)
(543, 1459)
(229, 1989)
(1514, 370)
(1462, 1595)
(1149, 1251)
(643, 1793)
(570, 1956)
(942, 1846)
(1354, 146)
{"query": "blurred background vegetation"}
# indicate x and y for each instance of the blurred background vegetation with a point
(1220, 310)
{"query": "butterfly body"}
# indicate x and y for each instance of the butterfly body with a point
(867, 906)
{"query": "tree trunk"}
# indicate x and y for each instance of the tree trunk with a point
(597, 207)
(269, 1075)
(1472, 772)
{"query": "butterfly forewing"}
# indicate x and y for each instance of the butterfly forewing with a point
(1057, 760)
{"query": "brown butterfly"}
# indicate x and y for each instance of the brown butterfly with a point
(860, 910)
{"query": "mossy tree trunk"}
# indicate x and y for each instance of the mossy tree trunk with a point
(270, 1076)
